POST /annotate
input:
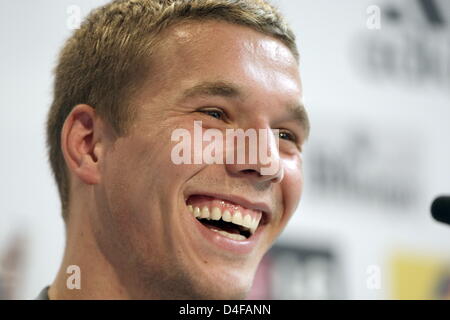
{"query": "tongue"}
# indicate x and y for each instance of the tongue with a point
(221, 225)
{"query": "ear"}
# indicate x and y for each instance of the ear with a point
(81, 145)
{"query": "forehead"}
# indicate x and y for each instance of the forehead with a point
(218, 51)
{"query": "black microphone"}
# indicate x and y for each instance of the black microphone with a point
(440, 209)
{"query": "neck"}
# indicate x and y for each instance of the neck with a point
(98, 279)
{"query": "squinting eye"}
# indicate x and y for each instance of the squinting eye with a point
(286, 135)
(218, 114)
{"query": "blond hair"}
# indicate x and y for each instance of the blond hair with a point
(106, 59)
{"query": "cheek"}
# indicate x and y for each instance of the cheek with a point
(134, 178)
(139, 172)
(127, 179)
(292, 185)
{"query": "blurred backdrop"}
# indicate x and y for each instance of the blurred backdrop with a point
(376, 78)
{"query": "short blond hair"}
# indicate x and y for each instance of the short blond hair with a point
(106, 59)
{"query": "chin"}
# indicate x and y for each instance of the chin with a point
(222, 291)
(188, 283)
(221, 286)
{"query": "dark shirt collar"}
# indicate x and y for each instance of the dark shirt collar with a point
(43, 295)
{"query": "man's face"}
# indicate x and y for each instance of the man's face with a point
(228, 77)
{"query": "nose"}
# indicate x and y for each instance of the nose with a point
(262, 161)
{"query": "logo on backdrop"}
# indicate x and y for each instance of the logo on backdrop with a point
(357, 165)
(411, 44)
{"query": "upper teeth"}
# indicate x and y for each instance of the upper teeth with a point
(216, 214)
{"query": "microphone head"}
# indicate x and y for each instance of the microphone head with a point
(440, 209)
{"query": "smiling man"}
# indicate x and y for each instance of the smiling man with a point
(139, 225)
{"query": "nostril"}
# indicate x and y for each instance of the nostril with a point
(250, 171)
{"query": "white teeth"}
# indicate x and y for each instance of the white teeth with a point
(254, 225)
(226, 216)
(237, 218)
(196, 212)
(216, 214)
(233, 236)
(205, 213)
(247, 222)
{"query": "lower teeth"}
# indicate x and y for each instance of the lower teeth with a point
(233, 236)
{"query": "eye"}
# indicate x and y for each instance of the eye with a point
(215, 113)
(287, 135)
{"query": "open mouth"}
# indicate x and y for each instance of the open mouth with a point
(224, 217)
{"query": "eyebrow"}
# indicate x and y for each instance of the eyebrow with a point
(297, 112)
(217, 88)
